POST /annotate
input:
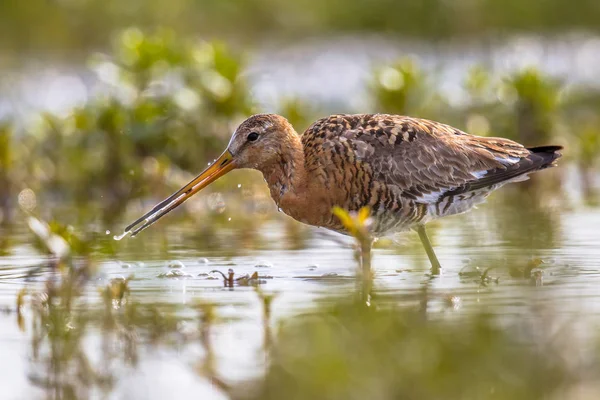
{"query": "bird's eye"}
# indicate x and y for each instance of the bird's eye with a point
(252, 136)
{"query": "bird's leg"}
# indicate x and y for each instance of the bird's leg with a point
(435, 264)
(365, 256)
(366, 275)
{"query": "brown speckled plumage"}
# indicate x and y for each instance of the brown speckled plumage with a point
(407, 170)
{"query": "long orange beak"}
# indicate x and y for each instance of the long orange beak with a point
(220, 167)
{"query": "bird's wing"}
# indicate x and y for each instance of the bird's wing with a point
(425, 160)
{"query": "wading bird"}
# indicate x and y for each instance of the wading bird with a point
(408, 171)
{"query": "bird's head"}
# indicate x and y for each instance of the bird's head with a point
(260, 141)
(257, 143)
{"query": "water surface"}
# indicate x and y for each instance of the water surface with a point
(502, 237)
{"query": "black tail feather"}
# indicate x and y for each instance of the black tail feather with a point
(548, 153)
(545, 149)
(540, 158)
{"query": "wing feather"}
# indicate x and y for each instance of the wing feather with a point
(422, 159)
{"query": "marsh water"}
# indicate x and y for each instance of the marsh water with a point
(519, 257)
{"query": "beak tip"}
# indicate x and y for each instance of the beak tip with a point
(220, 167)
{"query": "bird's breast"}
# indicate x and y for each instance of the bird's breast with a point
(309, 207)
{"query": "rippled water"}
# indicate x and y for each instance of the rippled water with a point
(500, 236)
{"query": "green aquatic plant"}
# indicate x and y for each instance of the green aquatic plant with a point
(6, 186)
(166, 109)
(116, 292)
(483, 112)
(297, 112)
(589, 144)
(585, 133)
(266, 300)
(479, 84)
(535, 100)
(348, 351)
(524, 105)
(400, 88)
(207, 367)
(230, 280)
(60, 316)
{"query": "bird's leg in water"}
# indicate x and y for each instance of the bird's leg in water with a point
(365, 256)
(435, 264)
(366, 275)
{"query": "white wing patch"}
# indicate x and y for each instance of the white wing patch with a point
(431, 198)
(479, 174)
(508, 160)
(504, 160)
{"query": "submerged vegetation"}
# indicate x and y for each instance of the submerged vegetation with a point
(350, 351)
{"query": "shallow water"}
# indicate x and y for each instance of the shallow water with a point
(498, 236)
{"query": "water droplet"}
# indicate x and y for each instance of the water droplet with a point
(119, 237)
(203, 261)
(216, 202)
(27, 199)
(107, 232)
(229, 219)
(239, 185)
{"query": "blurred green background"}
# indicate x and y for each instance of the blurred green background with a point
(70, 28)
(99, 98)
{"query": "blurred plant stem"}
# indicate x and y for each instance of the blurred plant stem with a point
(6, 187)
(267, 304)
(401, 88)
(588, 149)
(207, 367)
(535, 107)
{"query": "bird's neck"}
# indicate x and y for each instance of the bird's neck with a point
(287, 174)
